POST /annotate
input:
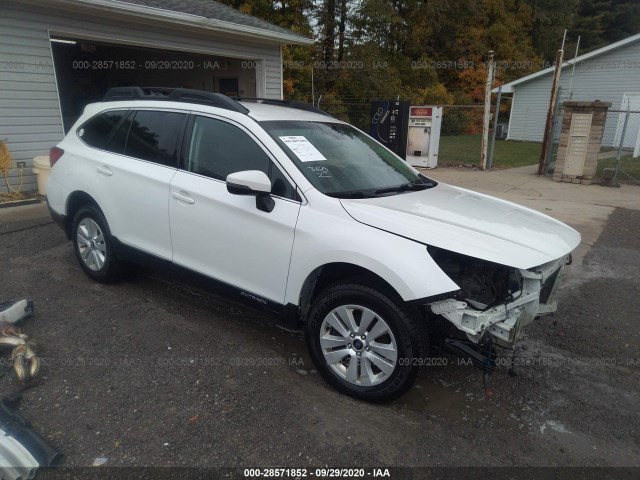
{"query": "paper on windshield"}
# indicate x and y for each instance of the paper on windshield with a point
(303, 148)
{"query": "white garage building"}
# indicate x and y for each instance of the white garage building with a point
(58, 55)
(609, 74)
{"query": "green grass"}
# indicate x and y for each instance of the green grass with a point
(629, 165)
(465, 149)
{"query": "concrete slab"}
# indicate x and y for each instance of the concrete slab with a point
(24, 212)
(26, 216)
(523, 182)
(585, 208)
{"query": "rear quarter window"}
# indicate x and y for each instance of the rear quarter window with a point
(99, 131)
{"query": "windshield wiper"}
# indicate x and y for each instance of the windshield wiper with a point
(352, 194)
(405, 187)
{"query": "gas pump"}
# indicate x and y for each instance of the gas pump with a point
(423, 138)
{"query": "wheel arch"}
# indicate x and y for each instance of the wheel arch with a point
(75, 202)
(325, 275)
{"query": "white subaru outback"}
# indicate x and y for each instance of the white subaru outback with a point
(308, 217)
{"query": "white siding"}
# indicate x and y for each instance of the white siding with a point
(29, 108)
(604, 78)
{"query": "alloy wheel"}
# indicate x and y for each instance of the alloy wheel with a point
(358, 345)
(91, 244)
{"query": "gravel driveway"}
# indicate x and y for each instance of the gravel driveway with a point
(150, 372)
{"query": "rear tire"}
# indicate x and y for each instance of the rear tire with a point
(94, 245)
(364, 343)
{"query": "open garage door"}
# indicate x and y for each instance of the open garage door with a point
(85, 70)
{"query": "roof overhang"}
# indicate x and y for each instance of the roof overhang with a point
(196, 22)
(506, 88)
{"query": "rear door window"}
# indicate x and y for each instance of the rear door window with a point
(154, 136)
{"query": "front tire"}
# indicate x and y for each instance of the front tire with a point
(363, 342)
(94, 246)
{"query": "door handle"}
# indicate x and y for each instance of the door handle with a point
(183, 197)
(105, 171)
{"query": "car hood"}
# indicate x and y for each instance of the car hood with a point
(469, 223)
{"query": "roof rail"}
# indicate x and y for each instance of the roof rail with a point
(284, 103)
(186, 95)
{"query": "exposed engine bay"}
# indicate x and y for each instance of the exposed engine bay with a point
(495, 299)
(481, 283)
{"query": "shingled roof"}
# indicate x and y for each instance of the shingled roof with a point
(216, 11)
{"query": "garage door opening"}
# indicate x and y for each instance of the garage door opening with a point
(85, 70)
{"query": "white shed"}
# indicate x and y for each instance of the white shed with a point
(609, 74)
(58, 55)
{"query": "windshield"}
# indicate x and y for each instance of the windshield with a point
(341, 161)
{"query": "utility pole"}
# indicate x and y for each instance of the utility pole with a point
(487, 113)
(495, 128)
(552, 107)
(313, 91)
(573, 69)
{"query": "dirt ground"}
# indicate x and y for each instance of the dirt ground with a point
(149, 372)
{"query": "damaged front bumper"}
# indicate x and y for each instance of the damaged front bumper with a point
(505, 321)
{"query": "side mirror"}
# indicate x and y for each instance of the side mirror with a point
(249, 182)
(252, 182)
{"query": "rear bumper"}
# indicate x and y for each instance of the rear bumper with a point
(59, 218)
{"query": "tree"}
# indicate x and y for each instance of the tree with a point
(601, 22)
(327, 22)
(291, 14)
(342, 27)
(550, 19)
(430, 51)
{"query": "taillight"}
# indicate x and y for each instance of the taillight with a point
(54, 155)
